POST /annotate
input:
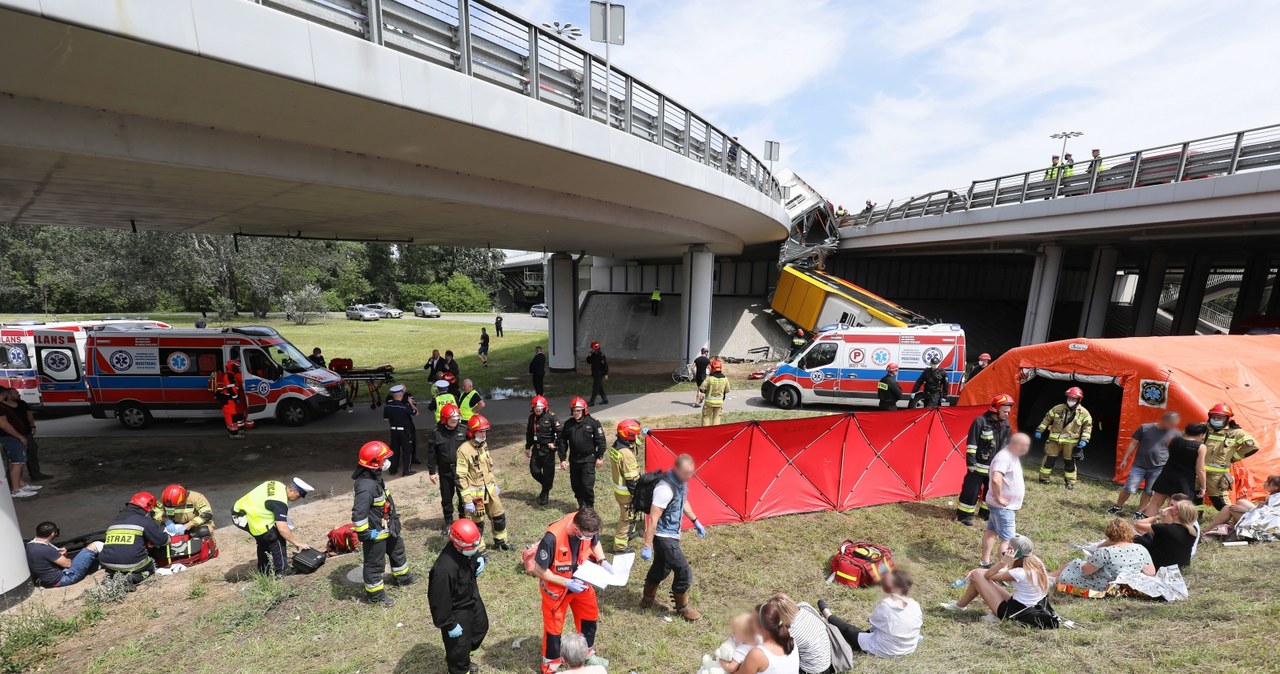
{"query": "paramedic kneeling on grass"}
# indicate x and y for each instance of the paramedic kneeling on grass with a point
(1004, 495)
(662, 539)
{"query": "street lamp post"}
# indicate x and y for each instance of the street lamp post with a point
(566, 31)
(1064, 135)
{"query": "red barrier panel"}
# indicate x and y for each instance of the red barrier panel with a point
(753, 470)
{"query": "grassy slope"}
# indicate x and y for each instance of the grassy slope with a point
(312, 625)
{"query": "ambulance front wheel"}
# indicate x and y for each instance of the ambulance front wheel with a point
(787, 397)
(293, 413)
(133, 415)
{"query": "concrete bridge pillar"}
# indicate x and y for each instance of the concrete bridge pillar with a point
(561, 282)
(1249, 302)
(1043, 295)
(1149, 290)
(1186, 314)
(698, 276)
(1097, 298)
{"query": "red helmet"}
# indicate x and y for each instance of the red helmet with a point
(1222, 408)
(578, 402)
(799, 332)
(1075, 392)
(629, 429)
(477, 424)
(595, 345)
(1002, 400)
(893, 367)
(465, 534)
(145, 500)
(448, 376)
(449, 410)
(174, 496)
(539, 400)
(373, 453)
(984, 356)
(233, 365)
(716, 365)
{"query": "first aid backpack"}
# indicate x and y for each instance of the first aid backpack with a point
(344, 539)
(861, 563)
(186, 550)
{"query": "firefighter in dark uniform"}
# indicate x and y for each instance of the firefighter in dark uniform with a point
(540, 436)
(399, 413)
(442, 460)
(988, 434)
(599, 373)
(798, 342)
(124, 550)
(983, 361)
(581, 450)
(888, 390)
(454, 596)
(933, 381)
(377, 524)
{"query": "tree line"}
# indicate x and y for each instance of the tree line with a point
(53, 269)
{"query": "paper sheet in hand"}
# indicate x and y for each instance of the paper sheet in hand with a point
(596, 575)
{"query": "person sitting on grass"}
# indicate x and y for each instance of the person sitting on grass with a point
(1228, 517)
(775, 652)
(575, 652)
(1170, 536)
(49, 564)
(734, 650)
(895, 622)
(1119, 554)
(1024, 571)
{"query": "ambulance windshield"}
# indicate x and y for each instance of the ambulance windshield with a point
(288, 357)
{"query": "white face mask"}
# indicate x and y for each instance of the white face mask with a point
(386, 464)
(1072, 403)
(480, 438)
(1217, 423)
(470, 553)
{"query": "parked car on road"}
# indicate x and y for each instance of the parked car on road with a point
(426, 309)
(540, 311)
(385, 310)
(359, 312)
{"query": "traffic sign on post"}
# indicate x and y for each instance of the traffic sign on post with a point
(614, 25)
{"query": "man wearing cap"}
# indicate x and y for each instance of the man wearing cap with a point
(264, 513)
(1095, 162)
(599, 374)
(983, 361)
(1054, 169)
(442, 397)
(399, 413)
(888, 391)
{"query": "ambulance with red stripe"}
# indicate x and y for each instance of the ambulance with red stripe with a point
(137, 376)
(844, 364)
(37, 357)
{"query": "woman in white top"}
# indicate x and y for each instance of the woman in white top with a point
(1018, 566)
(776, 653)
(895, 622)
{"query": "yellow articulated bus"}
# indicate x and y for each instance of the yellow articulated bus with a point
(813, 299)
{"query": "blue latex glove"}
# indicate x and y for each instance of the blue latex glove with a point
(173, 529)
(470, 506)
(575, 586)
(480, 562)
(1039, 435)
(455, 632)
(1083, 443)
(646, 553)
(606, 566)
(373, 533)
(702, 531)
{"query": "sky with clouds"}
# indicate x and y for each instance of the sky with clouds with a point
(880, 100)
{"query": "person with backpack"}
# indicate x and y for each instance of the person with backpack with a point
(1019, 568)
(624, 472)
(668, 506)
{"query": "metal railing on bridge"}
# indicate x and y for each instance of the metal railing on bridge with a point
(1204, 158)
(485, 41)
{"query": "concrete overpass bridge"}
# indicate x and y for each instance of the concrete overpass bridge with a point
(451, 122)
(1133, 248)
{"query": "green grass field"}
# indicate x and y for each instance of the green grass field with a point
(314, 625)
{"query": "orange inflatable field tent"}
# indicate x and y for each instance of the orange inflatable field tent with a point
(1187, 375)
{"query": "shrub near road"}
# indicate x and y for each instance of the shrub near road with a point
(314, 623)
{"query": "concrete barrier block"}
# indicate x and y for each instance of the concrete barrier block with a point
(164, 22)
(356, 66)
(434, 89)
(254, 36)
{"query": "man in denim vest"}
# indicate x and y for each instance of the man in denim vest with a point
(662, 539)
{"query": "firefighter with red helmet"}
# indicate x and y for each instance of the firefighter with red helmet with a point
(442, 460)
(798, 342)
(1070, 427)
(479, 483)
(888, 390)
(624, 472)
(454, 596)
(599, 373)
(984, 360)
(228, 388)
(581, 451)
(568, 542)
(712, 393)
(184, 511)
(124, 548)
(540, 442)
(1225, 444)
(377, 523)
(988, 434)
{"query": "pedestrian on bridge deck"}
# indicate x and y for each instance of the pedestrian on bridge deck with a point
(655, 300)
(1095, 163)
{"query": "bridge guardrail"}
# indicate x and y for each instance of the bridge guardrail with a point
(485, 41)
(1227, 154)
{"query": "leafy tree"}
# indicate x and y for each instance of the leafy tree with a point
(458, 294)
(304, 305)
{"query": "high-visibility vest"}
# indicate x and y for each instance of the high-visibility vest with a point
(656, 296)
(445, 399)
(562, 559)
(254, 506)
(467, 406)
(717, 387)
(1052, 173)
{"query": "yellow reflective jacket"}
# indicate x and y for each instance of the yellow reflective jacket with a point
(475, 470)
(1067, 428)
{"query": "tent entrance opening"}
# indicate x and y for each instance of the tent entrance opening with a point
(1040, 393)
